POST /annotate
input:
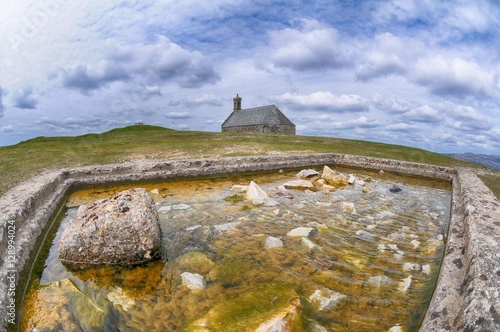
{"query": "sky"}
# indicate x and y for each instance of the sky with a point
(421, 73)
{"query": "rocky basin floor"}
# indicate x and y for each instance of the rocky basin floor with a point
(361, 257)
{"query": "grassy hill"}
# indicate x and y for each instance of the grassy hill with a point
(26, 159)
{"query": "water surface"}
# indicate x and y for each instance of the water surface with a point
(371, 268)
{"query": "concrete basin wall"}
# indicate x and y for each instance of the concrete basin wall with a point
(467, 292)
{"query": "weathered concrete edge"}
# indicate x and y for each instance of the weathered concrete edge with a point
(31, 204)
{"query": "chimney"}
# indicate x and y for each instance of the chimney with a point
(237, 103)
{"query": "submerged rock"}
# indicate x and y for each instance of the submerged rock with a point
(193, 281)
(280, 191)
(325, 299)
(273, 242)
(378, 281)
(405, 284)
(120, 298)
(300, 231)
(123, 229)
(62, 306)
(348, 207)
(219, 229)
(195, 261)
(308, 244)
(269, 307)
(395, 190)
(287, 319)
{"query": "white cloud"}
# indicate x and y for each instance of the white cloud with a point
(454, 77)
(386, 54)
(313, 46)
(177, 115)
(204, 100)
(361, 122)
(466, 118)
(324, 101)
(2, 92)
(391, 105)
(425, 114)
(159, 62)
(6, 129)
(24, 99)
(472, 17)
(402, 127)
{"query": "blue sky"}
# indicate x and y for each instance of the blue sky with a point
(419, 73)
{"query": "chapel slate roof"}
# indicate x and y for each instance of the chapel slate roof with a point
(263, 115)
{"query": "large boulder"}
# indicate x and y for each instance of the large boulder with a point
(123, 230)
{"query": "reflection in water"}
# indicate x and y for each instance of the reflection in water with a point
(367, 261)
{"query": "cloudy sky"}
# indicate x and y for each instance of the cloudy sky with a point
(423, 73)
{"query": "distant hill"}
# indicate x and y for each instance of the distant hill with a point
(489, 160)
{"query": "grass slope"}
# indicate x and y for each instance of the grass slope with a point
(26, 159)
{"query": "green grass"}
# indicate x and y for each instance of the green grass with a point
(492, 181)
(27, 159)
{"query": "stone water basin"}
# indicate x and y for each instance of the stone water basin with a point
(348, 260)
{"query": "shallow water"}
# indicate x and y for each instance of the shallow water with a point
(368, 269)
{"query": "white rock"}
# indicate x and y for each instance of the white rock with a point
(276, 324)
(324, 204)
(325, 299)
(393, 247)
(154, 191)
(405, 284)
(300, 184)
(257, 196)
(317, 328)
(239, 188)
(378, 281)
(395, 328)
(164, 209)
(118, 297)
(385, 214)
(219, 229)
(300, 231)
(415, 243)
(364, 235)
(351, 179)
(273, 242)
(307, 173)
(279, 192)
(411, 267)
(399, 255)
(192, 228)
(193, 281)
(426, 269)
(181, 207)
(348, 207)
(308, 244)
